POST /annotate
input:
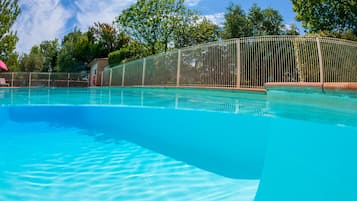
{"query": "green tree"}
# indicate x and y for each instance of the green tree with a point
(327, 15)
(119, 56)
(32, 62)
(264, 21)
(76, 52)
(291, 30)
(205, 31)
(200, 30)
(236, 24)
(107, 39)
(9, 10)
(153, 23)
(49, 50)
(272, 22)
(257, 22)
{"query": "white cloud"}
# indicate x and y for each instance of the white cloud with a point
(192, 2)
(39, 20)
(49, 19)
(90, 11)
(217, 18)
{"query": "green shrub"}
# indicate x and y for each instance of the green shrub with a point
(119, 56)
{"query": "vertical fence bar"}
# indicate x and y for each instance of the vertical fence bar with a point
(101, 78)
(123, 76)
(68, 77)
(143, 76)
(30, 75)
(320, 60)
(49, 80)
(178, 68)
(238, 63)
(110, 77)
(12, 79)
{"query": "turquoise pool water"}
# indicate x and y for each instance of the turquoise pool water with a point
(167, 144)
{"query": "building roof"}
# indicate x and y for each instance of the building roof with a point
(96, 61)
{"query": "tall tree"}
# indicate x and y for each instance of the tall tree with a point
(200, 30)
(9, 10)
(327, 15)
(75, 52)
(153, 23)
(236, 24)
(49, 50)
(32, 62)
(272, 22)
(13, 62)
(107, 38)
(264, 21)
(257, 22)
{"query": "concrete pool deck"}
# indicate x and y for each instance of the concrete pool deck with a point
(336, 86)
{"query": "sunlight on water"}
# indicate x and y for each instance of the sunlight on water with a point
(312, 107)
(176, 144)
(40, 161)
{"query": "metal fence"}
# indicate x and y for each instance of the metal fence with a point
(243, 63)
(42, 79)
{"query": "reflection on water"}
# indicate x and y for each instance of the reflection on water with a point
(147, 97)
(303, 106)
(132, 149)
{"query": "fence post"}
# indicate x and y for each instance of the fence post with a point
(110, 77)
(143, 76)
(238, 63)
(320, 60)
(12, 79)
(123, 76)
(178, 68)
(68, 77)
(30, 75)
(49, 79)
(101, 78)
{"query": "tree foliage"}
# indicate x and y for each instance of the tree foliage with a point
(32, 62)
(327, 15)
(49, 51)
(9, 10)
(107, 38)
(119, 56)
(153, 23)
(76, 52)
(42, 58)
(291, 30)
(236, 23)
(272, 22)
(199, 30)
(257, 22)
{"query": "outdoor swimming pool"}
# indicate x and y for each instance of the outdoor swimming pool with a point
(176, 144)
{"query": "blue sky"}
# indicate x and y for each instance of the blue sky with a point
(48, 19)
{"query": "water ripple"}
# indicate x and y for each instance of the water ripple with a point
(65, 164)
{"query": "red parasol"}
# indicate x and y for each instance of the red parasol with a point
(3, 65)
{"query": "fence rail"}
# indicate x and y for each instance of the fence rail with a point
(243, 63)
(43, 79)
